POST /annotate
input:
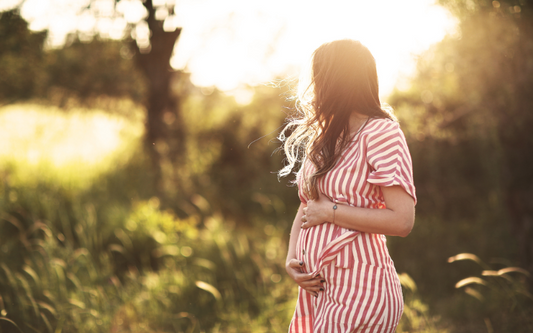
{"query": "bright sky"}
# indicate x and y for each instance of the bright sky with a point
(232, 43)
(241, 41)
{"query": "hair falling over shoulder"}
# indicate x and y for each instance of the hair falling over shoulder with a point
(342, 80)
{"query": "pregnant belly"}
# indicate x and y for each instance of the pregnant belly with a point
(321, 242)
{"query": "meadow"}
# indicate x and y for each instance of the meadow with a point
(88, 247)
(127, 207)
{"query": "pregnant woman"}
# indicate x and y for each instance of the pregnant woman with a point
(356, 186)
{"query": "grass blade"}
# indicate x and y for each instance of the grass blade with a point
(4, 319)
(209, 288)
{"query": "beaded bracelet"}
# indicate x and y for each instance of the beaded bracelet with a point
(334, 209)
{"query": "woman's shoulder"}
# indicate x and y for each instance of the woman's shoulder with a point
(377, 126)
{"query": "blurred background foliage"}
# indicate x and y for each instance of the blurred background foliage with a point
(93, 239)
(77, 73)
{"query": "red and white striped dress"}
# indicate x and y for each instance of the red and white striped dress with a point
(362, 292)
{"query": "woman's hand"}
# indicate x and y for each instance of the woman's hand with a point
(311, 284)
(317, 212)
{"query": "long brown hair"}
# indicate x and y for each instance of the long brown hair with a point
(343, 80)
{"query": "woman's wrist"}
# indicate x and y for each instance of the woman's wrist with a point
(334, 210)
(330, 212)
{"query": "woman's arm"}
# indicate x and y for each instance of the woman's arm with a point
(295, 232)
(294, 267)
(396, 220)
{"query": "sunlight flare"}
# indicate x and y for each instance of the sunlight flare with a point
(235, 43)
(243, 43)
(80, 143)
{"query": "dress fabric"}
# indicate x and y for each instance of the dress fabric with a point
(362, 292)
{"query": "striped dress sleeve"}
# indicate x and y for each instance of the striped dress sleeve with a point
(389, 158)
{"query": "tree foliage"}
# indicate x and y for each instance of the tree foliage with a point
(21, 59)
(80, 70)
(95, 68)
(151, 51)
(468, 117)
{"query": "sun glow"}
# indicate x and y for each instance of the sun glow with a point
(240, 42)
(37, 136)
(233, 43)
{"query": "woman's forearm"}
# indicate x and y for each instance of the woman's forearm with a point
(396, 220)
(295, 232)
(379, 221)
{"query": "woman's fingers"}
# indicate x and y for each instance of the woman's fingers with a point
(313, 289)
(299, 277)
(304, 216)
(309, 224)
(314, 293)
(294, 263)
(311, 283)
(307, 280)
(312, 215)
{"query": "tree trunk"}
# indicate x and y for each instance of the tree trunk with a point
(155, 64)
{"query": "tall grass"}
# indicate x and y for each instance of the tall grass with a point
(73, 261)
(85, 247)
(499, 291)
(164, 276)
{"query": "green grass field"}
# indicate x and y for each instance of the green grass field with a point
(85, 246)
(86, 249)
